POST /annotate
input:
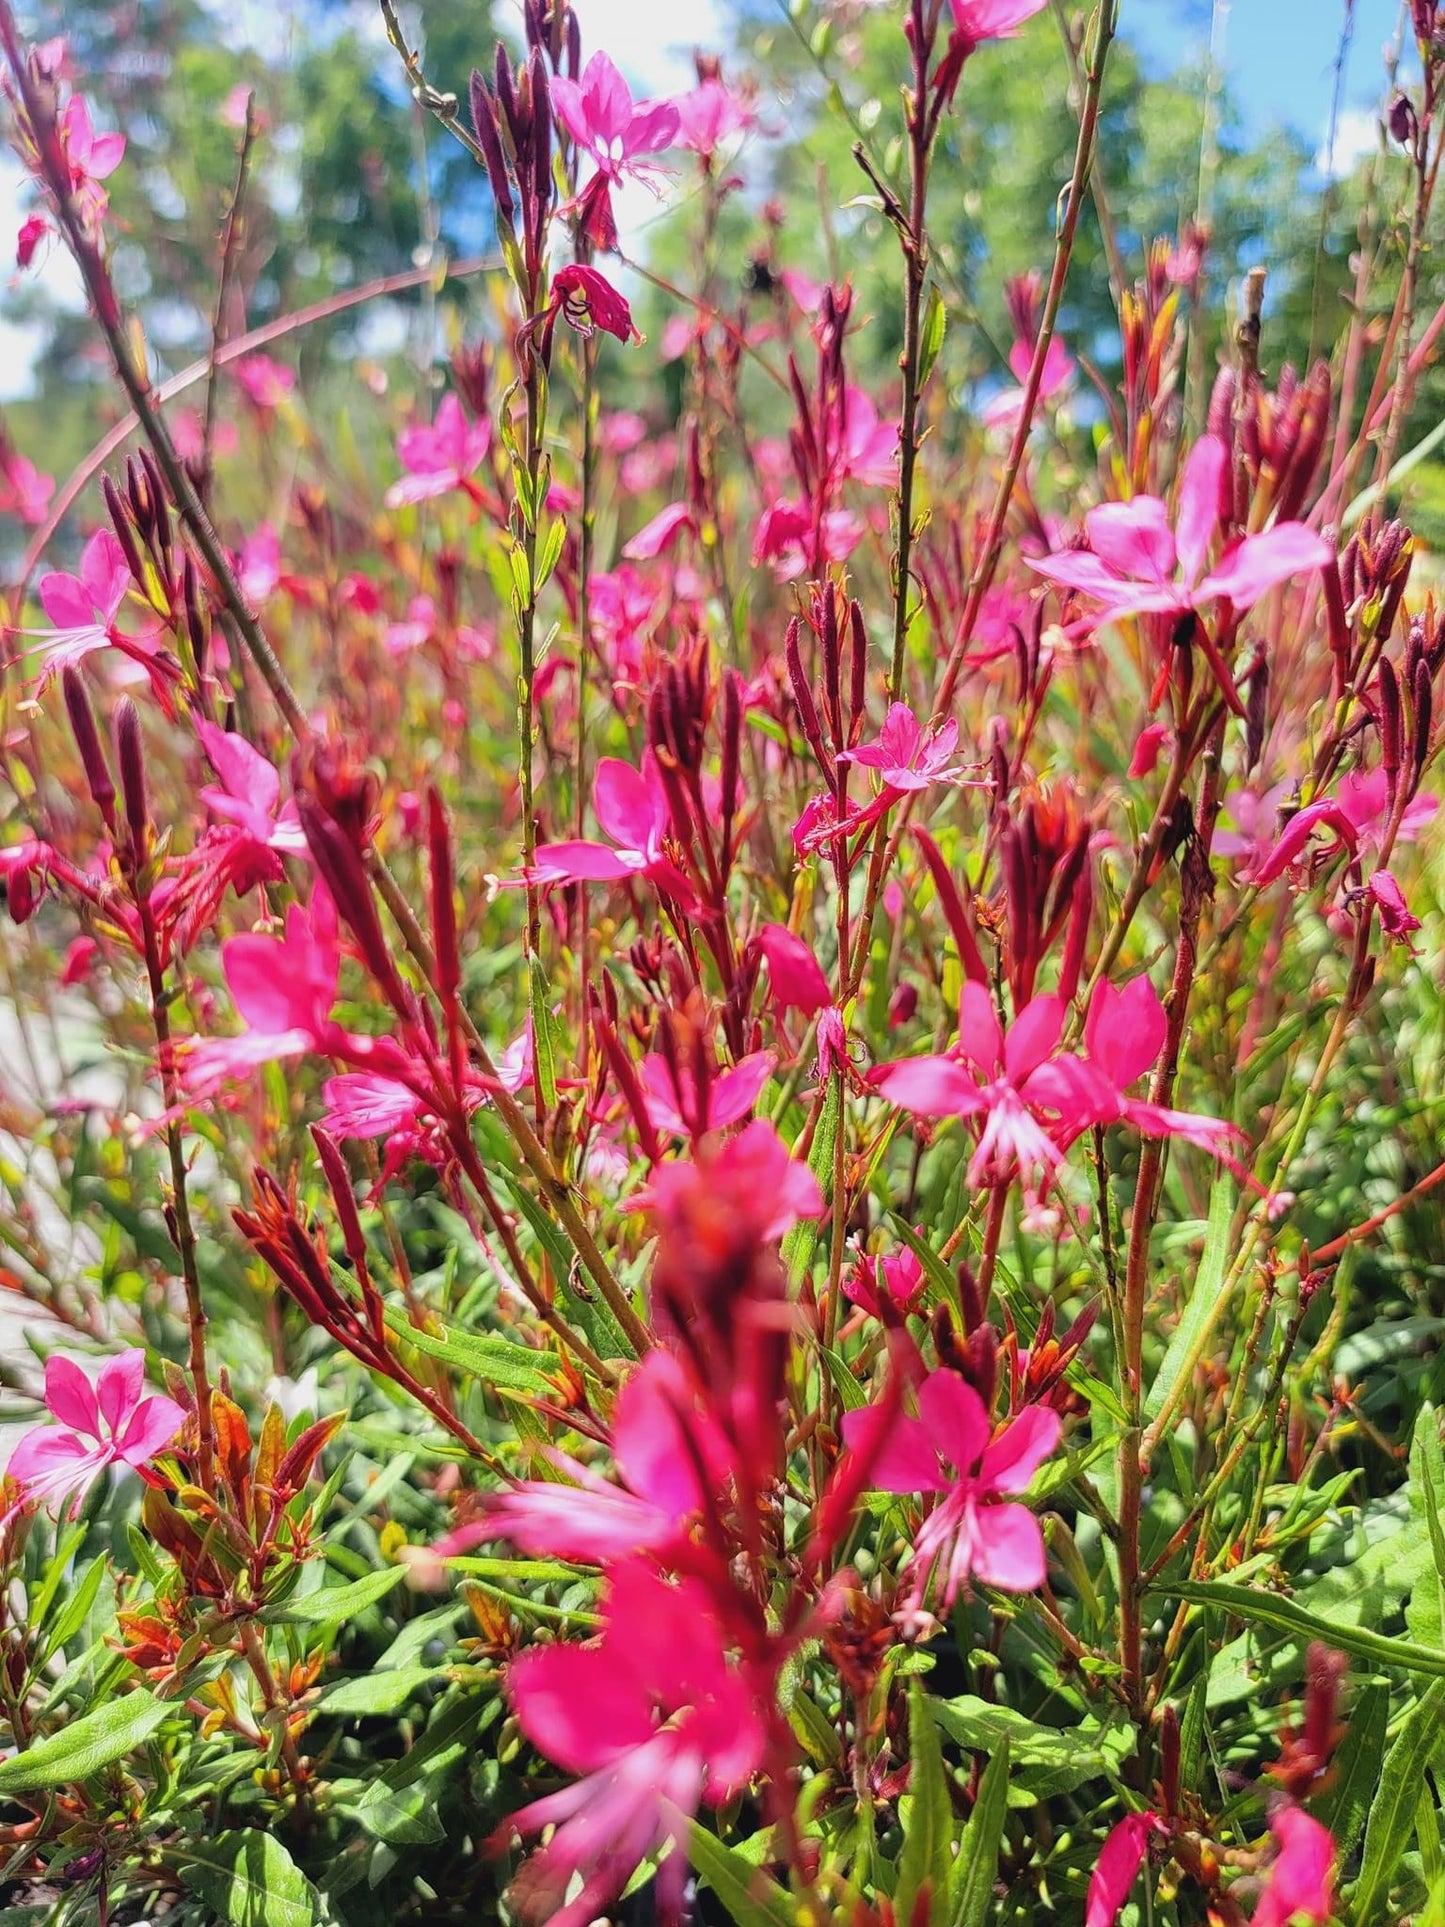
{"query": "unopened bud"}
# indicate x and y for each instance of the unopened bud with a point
(87, 741)
(130, 760)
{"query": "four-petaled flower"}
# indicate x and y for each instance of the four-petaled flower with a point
(657, 1719)
(632, 808)
(85, 609)
(618, 134)
(905, 755)
(1136, 564)
(439, 456)
(977, 1530)
(980, 20)
(90, 157)
(107, 1423)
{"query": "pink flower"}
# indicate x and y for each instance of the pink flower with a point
(91, 158)
(660, 533)
(949, 1449)
(662, 1442)
(618, 134)
(905, 757)
(632, 808)
(24, 492)
(656, 1719)
(1302, 1878)
(1124, 1033)
(107, 1423)
(284, 988)
(870, 445)
(750, 1184)
(1118, 1868)
(1358, 814)
(673, 1105)
(1058, 371)
(85, 609)
(267, 383)
(797, 980)
(438, 456)
(33, 230)
(1253, 814)
(896, 1281)
(996, 1079)
(588, 301)
(708, 116)
(1396, 919)
(993, 19)
(249, 792)
(1137, 565)
(785, 537)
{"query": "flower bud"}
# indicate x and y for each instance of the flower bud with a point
(87, 741)
(130, 760)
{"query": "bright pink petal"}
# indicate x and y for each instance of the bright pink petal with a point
(929, 1086)
(1301, 1881)
(46, 1453)
(1199, 499)
(955, 1418)
(581, 863)
(1260, 562)
(980, 1035)
(70, 1396)
(1125, 1031)
(152, 1426)
(245, 772)
(1032, 1035)
(797, 980)
(575, 1707)
(907, 1461)
(631, 804)
(1134, 540)
(650, 1436)
(1020, 1449)
(733, 1095)
(1008, 1548)
(1118, 1868)
(119, 1386)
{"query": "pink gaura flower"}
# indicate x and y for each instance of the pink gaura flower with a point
(1358, 814)
(672, 1103)
(895, 1282)
(657, 1719)
(906, 756)
(1252, 815)
(668, 1451)
(108, 1423)
(980, 20)
(976, 1530)
(249, 794)
(1122, 1856)
(786, 535)
(659, 533)
(870, 445)
(1301, 1879)
(710, 114)
(90, 157)
(1396, 918)
(995, 1080)
(32, 231)
(85, 609)
(751, 1183)
(1137, 564)
(1057, 373)
(265, 382)
(618, 134)
(439, 456)
(24, 492)
(1124, 1033)
(632, 808)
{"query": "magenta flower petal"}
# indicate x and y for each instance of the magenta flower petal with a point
(1125, 1030)
(907, 1460)
(53, 1456)
(582, 863)
(150, 1429)
(980, 1035)
(70, 1395)
(1199, 499)
(1261, 562)
(953, 1415)
(631, 804)
(1301, 1881)
(1134, 540)
(929, 1086)
(797, 981)
(1118, 1867)
(1032, 1036)
(733, 1095)
(576, 1707)
(119, 1386)
(1011, 1461)
(1008, 1548)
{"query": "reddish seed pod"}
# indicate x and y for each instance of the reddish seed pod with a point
(1391, 720)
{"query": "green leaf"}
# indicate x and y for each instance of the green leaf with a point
(1208, 1283)
(750, 1896)
(544, 1058)
(1271, 1609)
(1048, 1760)
(87, 1745)
(844, 1381)
(1357, 1765)
(248, 1879)
(497, 1361)
(1393, 1812)
(927, 1814)
(76, 1610)
(930, 341)
(970, 1895)
(379, 1692)
(802, 1241)
(330, 1605)
(1425, 1614)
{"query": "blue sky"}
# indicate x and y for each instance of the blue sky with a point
(1280, 54)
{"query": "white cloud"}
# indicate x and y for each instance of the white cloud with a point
(1357, 135)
